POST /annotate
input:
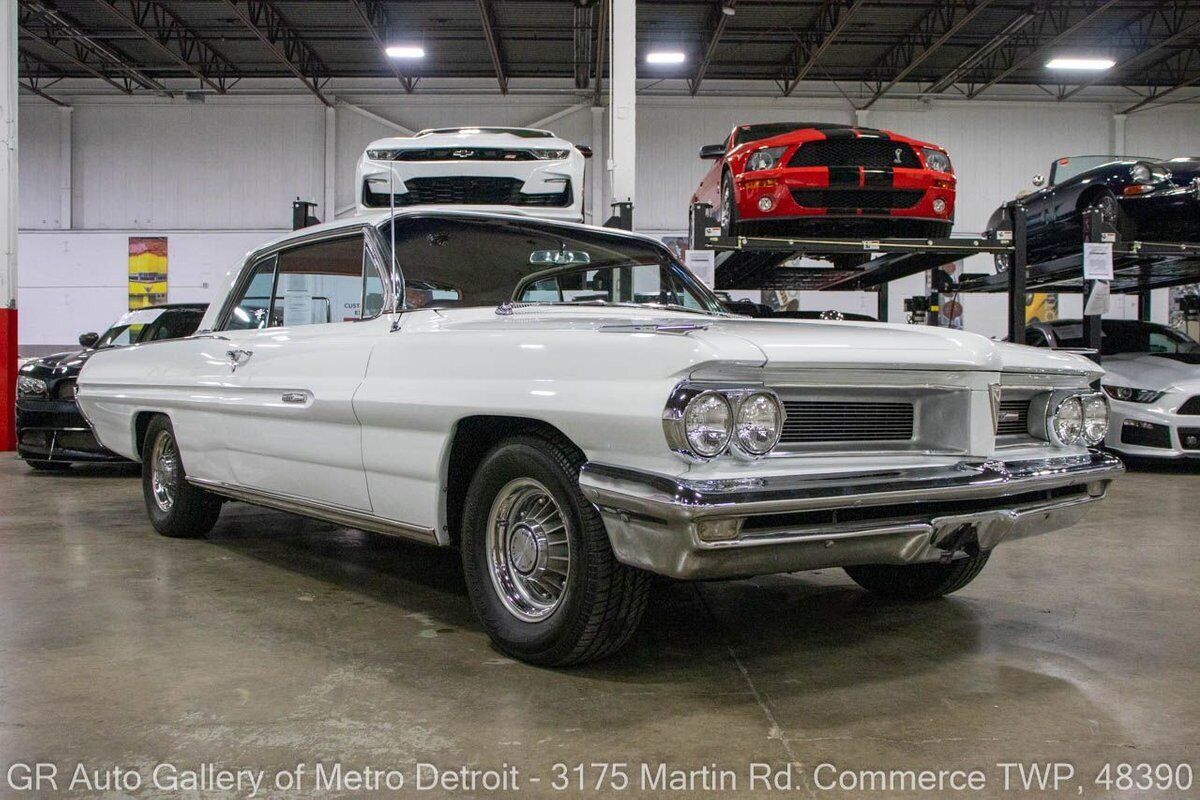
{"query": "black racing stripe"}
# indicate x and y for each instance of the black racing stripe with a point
(879, 176)
(839, 133)
(872, 133)
(843, 176)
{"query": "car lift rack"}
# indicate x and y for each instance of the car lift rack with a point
(753, 262)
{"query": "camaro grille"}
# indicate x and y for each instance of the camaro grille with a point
(1014, 418)
(854, 153)
(846, 421)
(869, 198)
(464, 154)
(465, 190)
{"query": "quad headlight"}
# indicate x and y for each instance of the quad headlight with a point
(703, 423)
(30, 387)
(766, 158)
(1077, 418)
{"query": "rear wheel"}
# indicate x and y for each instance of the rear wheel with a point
(918, 581)
(176, 507)
(49, 466)
(541, 574)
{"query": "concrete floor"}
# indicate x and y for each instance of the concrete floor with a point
(278, 641)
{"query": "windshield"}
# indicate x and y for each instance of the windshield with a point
(1069, 166)
(455, 262)
(1118, 337)
(151, 324)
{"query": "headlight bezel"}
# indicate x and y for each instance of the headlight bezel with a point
(1141, 396)
(1060, 400)
(550, 154)
(933, 157)
(31, 387)
(772, 155)
(382, 154)
(686, 395)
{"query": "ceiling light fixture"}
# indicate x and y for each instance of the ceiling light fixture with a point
(405, 51)
(728, 7)
(1091, 64)
(665, 57)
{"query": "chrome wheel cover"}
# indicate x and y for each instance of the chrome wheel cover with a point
(528, 550)
(1108, 210)
(164, 470)
(727, 206)
(1003, 260)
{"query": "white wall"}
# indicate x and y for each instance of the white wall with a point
(220, 177)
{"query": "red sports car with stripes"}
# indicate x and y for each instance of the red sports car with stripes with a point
(820, 179)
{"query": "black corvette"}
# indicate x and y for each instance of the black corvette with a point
(51, 433)
(1143, 198)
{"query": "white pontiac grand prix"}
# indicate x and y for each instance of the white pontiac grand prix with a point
(574, 411)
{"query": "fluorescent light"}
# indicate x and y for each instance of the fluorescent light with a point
(1092, 64)
(405, 51)
(665, 57)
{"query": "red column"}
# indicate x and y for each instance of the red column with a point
(8, 378)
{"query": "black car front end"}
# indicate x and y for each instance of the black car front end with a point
(1165, 208)
(50, 428)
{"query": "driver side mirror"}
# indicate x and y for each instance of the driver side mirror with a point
(584, 150)
(712, 151)
(1039, 180)
(88, 340)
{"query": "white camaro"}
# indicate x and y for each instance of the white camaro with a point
(1153, 378)
(574, 411)
(516, 170)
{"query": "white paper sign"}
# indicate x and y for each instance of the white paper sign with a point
(704, 264)
(1097, 300)
(1097, 261)
(297, 307)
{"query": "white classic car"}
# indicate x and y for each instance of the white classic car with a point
(574, 411)
(1152, 374)
(516, 170)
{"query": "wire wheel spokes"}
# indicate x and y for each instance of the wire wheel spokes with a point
(164, 470)
(528, 549)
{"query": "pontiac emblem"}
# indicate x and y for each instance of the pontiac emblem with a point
(994, 396)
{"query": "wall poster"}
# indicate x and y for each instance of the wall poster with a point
(147, 271)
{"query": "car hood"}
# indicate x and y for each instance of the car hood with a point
(435, 140)
(1154, 371)
(783, 343)
(58, 365)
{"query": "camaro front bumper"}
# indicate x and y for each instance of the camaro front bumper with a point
(738, 528)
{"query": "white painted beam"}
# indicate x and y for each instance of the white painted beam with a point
(597, 167)
(622, 139)
(64, 167)
(330, 198)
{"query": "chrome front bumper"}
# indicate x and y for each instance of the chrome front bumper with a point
(743, 527)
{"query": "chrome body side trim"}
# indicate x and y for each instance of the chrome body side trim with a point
(738, 528)
(338, 515)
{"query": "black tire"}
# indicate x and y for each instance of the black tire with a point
(728, 210)
(187, 512)
(918, 581)
(1114, 216)
(49, 466)
(601, 600)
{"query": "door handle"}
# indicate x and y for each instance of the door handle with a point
(237, 357)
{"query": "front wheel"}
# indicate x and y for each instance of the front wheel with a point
(541, 574)
(918, 581)
(729, 220)
(176, 508)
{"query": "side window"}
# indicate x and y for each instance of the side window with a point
(253, 308)
(324, 282)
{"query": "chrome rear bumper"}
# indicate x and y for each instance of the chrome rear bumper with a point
(737, 528)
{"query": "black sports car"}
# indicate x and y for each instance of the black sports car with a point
(51, 433)
(1143, 198)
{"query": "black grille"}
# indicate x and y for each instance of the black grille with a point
(854, 153)
(461, 190)
(1014, 418)
(811, 421)
(1191, 407)
(857, 198)
(1146, 434)
(464, 154)
(1189, 438)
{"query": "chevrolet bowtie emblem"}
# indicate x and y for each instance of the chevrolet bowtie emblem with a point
(463, 153)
